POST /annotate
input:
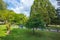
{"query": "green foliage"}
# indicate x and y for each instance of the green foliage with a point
(43, 8)
(7, 15)
(20, 19)
(35, 23)
(12, 17)
(55, 21)
(2, 5)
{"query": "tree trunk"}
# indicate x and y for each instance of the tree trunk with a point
(57, 30)
(47, 25)
(33, 31)
(8, 27)
(36, 28)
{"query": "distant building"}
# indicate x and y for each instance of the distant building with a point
(58, 12)
(57, 0)
(58, 9)
(58, 3)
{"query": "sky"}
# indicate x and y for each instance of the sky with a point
(23, 6)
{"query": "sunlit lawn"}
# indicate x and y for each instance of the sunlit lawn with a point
(2, 30)
(25, 34)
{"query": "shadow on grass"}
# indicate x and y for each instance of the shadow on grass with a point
(20, 34)
(25, 34)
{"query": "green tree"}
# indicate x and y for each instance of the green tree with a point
(45, 9)
(2, 5)
(7, 16)
(35, 22)
(20, 19)
(41, 13)
(10, 17)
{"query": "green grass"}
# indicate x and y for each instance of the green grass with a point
(2, 30)
(24, 34)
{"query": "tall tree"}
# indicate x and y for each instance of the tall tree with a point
(45, 9)
(42, 12)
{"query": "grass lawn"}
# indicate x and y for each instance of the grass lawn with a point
(24, 34)
(2, 30)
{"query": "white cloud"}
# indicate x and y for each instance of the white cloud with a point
(27, 2)
(20, 7)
